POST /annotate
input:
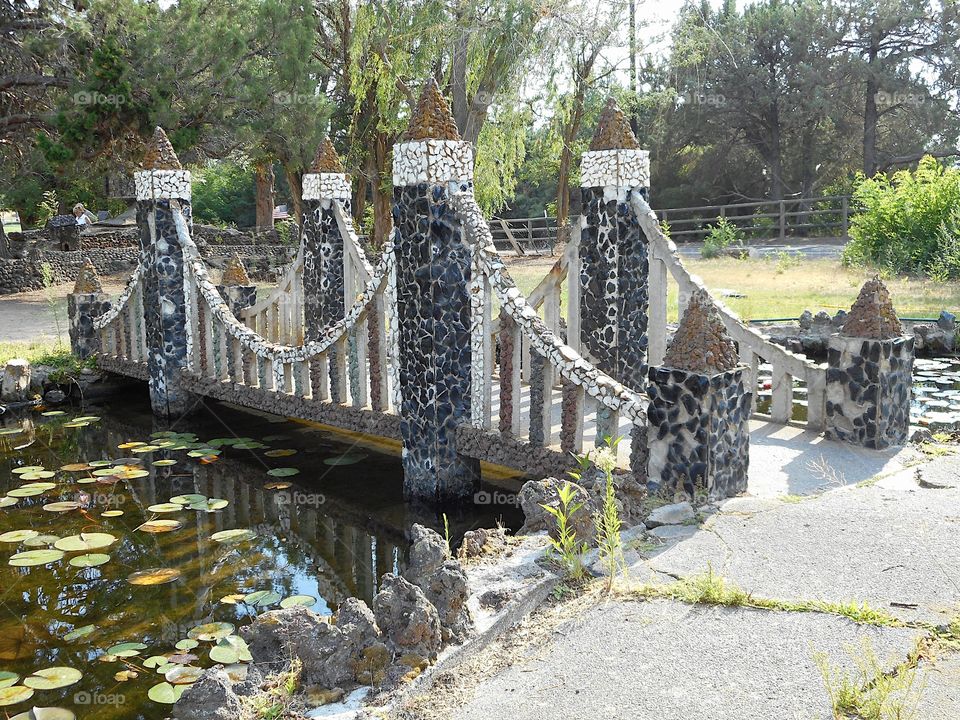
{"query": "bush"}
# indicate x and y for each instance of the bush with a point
(224, 193)
(909, 223)
(721, 237)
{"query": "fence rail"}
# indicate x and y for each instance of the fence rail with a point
(525, 235)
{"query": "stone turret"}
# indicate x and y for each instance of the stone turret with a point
(235, 286)
(613, 130)
(431, 119)
(699, 438)
(84, 305)
(235, 273)
(88, 281)
(872, 315)
(160, 154)
(327, 160)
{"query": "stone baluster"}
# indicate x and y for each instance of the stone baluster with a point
(698, 435)
(870, 374)
(323, 263)
(84, 305)
(433, 272)
(163, 188)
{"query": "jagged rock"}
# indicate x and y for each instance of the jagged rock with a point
(536, 493)
(806, 319)
(442, 581)
(839, 319)
(54, 397)
(921, 435)
(234, 273)
(327, 160)
(407, 619)
(427, 553)
(613, 131)
(431, 118)
(15, 385)
(483, 541)
(212, 696)
(675, 514)
(872, 315)
(371, 667)
(701, 343)
(160, 154)
(87, 279)
(277, 636)
(947, 321)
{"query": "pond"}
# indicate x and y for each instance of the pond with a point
(121, 541)
(936, 394)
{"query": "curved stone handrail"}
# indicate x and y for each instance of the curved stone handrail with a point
(568, 362)
(254, 342)
(345, 223)
(120, 303)
(281, 292)
(666, 250)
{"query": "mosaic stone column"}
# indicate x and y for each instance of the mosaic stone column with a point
(613, 251)
(323, 273)
(84, 305)
(163, 188)
(698, 435)
(433, 307)
(870, 374)
(235, 287)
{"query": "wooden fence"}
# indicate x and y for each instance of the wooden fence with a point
(536, 235)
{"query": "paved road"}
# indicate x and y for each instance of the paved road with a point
(813, 249)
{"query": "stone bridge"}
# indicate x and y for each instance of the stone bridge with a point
(432, 343)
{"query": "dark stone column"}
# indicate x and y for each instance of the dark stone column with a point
(433, 270)
(163, 190)
(85, 304)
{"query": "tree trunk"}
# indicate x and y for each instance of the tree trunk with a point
(870, 118)
(264, 174)
(295, 181)
(566, 155)
(382, 198)
(5, 251)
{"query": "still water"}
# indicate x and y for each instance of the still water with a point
(317, 518)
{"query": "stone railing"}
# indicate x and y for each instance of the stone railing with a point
(121, 329)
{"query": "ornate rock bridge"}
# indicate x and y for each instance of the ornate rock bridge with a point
(432, 343)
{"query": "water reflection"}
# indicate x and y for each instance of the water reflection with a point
(330, 534)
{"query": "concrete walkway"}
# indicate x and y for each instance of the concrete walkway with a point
(893, 543)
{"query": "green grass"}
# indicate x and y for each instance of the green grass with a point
(11, 227)
(46, 351)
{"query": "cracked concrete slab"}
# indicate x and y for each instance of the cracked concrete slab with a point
(940, 683)
(664, 660)
(894, 545)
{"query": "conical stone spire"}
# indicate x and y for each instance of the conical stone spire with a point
(160, 154)
(88, 281)
(613, 131)
(872, 315)
(432, 119)
(327, 160)
(701, 343)
(235, 273)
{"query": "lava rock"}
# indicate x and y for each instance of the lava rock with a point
(675, 514)
(212, 696)
(442, 581)
(536, 493)
(54, 397)
(407, 619)
(15, 385)
(483, 541)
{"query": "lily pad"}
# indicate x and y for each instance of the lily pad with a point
(18, 536)
(87, 418)
(85, 542)
(346, 459)
(45, 713)
(52, 678)
(160, 526)
(166, 693)
(11, 431)
(164, 463)
(75, 424)
(26, 469)
(262, 598)
(99, 463)
(8, 678)
(153, 576)
(283, 452)
(14, 694)
(32, 558)
(111, 513)
(277, 485)
(230, 650)
(186, 644)
(38, 475)
(127, 649)
(53, 413)
(209, 632)
(211, 505)
(8, 501)
(59, 507)
(156, 661)
(283, 472)
(183, 674)
(76, 467)
(188, 499)
(233, 536)
(132, 474)
(165, 507)
(298, 600)
(248, 445)
(41, 541)
(89, 560)
(145, 449)
(131, 444)
(232, 599)
(79, 632)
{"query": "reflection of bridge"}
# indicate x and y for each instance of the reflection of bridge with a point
(410, 347)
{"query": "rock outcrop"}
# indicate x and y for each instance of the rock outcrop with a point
(409, 621)
(872, 315)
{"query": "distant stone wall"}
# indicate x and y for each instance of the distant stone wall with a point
(23, 274)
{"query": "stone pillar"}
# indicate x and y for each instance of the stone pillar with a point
(698, 435)
(84, 305)
(235, 287)
(163, 188)
(613, 251)
(323, 268)
(870, 374)
(433, 307)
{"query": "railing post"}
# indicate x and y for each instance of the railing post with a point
(323, 253)
(783, 219)
(613, 252)
(84, 305)
(433, 273)
(163, 189)
(845, 216)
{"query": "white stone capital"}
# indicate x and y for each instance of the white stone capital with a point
(432, 161)
(326, 186)
(162, 184)
(617, 168)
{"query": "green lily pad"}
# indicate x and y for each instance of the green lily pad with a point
(41, 541)
(127, 649)
(203, 452)
(208, 632)
(156, 661)
(163, 463)
(248, 445)
(165, 507)
(75, 424)
(14, 694)
(87, 418)
(166, 693)
(8, 501)
(79, 632)
(30, 490)
(38, 475)
(53, 413)
(298, 600)
(105, 472)
(60, 507)
(45, 713)
(211, 505)
(233, 536)
(32, 558)
(163, 434)
(111, 513)
(8, 678)
(187, 644)
(85, 542)
(18, 536)
(26, 469)
(52, 678)
(188, 499)
(89, 560)
(99, 463)
(262, 598)
(346, 459)
(10, 431)
(282, 452)
(145, 449)
(230, 650)
(283, 472)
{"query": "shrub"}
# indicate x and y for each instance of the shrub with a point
(224, 194)
(722, 236)
(909, 223)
